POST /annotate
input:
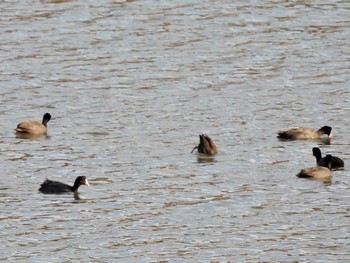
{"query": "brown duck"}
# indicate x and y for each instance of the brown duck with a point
(305, 133)
(34, 127)
(206, 145)
(318, 172)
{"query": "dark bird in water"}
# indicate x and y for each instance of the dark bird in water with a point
(318, 172)
(336, 161)
(305, 133)
(206, 145)
(34, 127)
(54, 187)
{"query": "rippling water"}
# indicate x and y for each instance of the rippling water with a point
(130, 85)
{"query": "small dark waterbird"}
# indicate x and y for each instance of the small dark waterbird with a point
(336, 161)
(206, 145)
(55, 187)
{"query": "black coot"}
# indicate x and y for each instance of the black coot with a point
(336, 161)
(54, 187)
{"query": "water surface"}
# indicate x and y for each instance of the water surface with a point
(130, 86)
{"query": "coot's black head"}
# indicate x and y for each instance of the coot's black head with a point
(80, 181)
(316, 152)
(46, 118)
(326, 130)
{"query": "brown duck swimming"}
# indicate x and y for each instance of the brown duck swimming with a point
(34, 127)
(206, 145)
(305, 133)
(318, 172)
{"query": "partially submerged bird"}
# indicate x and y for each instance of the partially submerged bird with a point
(34, 127)
(305, 133)
(336, 161)
(55, 187)
(206, 145)
(318, 172)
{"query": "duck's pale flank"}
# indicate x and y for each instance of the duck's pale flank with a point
(318, 172)
(305, 133)
(34, 127)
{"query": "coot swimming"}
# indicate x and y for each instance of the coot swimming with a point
(54, 187)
